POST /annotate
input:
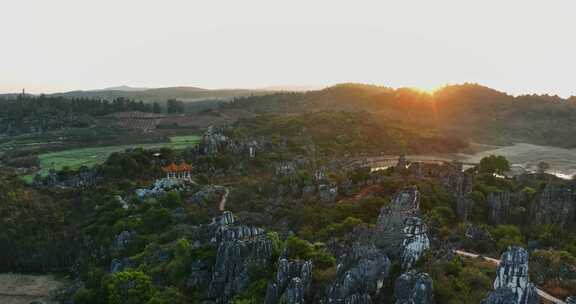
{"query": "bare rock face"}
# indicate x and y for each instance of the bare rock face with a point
(122, 240)
(500, 204)
(293, 280)
(239, 247)
(556, 204)
(464, 206)
(415, 242)
(512, 274)
(208, 194)
(327, 193)
(399, 229)
(361, 273)
(414, 288)
(505, 205)
(200, 275)
(404, 205)
(212, 141)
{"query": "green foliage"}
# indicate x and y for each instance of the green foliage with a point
(338, 133)
(553, 268)
(32, 222)
(169, 295)
(313, 218)
(494, 164)
(84, 296)
(129, 287)
(254, 294)
(303, 250)
(459, 280)
(179, 267)
(277, 244)
(338, 230)
(171, 200)
(507, 235)
(156, 219)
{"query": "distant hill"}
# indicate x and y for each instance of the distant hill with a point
(467, 111)
(162, 94)
(124, 88)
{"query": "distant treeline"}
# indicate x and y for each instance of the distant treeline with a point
(37, 114)
(24, 105)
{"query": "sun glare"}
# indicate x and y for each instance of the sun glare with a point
(429, 90)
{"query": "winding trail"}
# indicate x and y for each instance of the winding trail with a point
(546, 297)
(223, 201)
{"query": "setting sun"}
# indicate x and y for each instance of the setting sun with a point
(295, 152)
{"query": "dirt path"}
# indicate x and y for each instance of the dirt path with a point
(23, 289)
(223, 201)
(544, 295)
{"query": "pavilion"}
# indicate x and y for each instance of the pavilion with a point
(181, 171)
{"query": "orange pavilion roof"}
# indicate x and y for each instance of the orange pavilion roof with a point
(182, 167)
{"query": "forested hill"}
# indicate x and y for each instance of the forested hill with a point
(470, 111)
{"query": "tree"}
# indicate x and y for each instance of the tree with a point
(494, 164)
(129, 287)
(174, 106)
(543, 167)
(169, 295)
(171, 200)
(156, 107)
(507, 235)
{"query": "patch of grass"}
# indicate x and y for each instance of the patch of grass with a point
(76, 158)
(185, 139)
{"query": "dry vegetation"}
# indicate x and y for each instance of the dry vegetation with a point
(23, 289)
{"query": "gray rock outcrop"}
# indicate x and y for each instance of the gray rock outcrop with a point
(239, 247)
(507, 207)
(122, 240)
(512, 274)
(292, 282)
(361, 273)
(415, 242)
(327, 193)
(399, 229)
(555, 205)
(161, 187)
(414, 288)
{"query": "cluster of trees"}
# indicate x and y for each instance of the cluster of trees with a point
(341, 132)
(26, 105)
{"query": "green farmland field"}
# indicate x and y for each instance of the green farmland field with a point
(76, 158)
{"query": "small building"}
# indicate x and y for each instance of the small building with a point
(181, 171)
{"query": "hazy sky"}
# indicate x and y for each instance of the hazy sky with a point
(513, 45)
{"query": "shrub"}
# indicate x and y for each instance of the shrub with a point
(129, 287)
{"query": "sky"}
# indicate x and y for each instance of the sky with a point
(516, 46)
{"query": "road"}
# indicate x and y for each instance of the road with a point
(545, 296)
